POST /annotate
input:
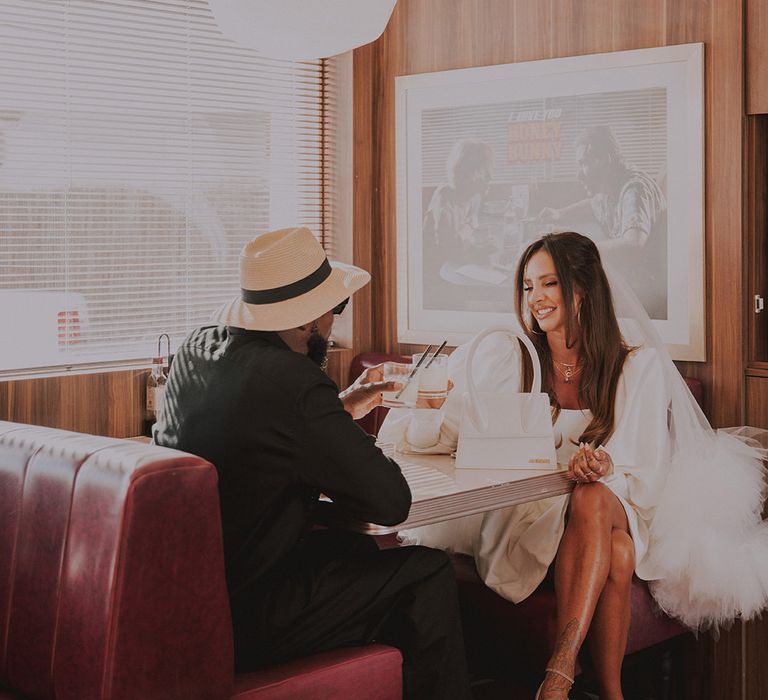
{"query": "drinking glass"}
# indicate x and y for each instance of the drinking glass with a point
(433, 380)
(406, 395)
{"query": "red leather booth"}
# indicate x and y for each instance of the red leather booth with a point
(112, 582)
(522, 636)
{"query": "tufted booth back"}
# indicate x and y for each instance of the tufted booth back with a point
(111, 570)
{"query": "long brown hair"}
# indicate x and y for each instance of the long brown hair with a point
(602, 351)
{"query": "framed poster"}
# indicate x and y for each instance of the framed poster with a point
(489, 159)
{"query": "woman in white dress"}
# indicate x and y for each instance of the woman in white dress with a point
(635, 443)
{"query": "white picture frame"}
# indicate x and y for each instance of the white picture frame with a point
(537, 124)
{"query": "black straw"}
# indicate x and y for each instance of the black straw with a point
(413, 371)
(437, 352)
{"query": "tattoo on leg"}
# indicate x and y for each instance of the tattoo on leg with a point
(567, 646)
(563, 660)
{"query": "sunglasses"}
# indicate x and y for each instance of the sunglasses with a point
(340, 307)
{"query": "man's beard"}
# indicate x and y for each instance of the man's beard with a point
(317, 349)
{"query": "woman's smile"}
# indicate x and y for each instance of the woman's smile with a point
(543, 312)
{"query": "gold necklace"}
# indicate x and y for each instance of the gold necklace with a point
(569, 372)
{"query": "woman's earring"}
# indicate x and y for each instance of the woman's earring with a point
(578, 311)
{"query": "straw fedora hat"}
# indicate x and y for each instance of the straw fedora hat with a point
(286, 281)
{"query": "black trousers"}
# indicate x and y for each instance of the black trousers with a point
(340, 590)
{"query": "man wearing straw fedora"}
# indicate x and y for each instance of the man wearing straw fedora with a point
(249, 395)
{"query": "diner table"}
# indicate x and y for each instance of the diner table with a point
(440, 491)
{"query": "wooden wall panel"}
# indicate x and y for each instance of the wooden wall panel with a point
(756, 632)
(339, 360)
(756, 677)
(757, 408)
(103, 404)
(756, 225)
(689, 20)
(757, 56)
(636, 25)
(582, 27)
(723, 374)
(531, 29)
(757, 400)
(363, 191)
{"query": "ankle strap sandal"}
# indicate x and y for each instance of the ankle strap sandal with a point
(557, 673)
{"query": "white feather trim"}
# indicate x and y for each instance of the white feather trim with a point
(709, 546)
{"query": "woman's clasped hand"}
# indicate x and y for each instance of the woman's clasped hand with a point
(587, 465)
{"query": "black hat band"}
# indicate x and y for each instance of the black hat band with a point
(288, 291)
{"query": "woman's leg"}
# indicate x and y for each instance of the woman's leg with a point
(581, 571)
(610, 625)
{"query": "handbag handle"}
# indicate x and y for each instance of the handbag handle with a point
(479, 420)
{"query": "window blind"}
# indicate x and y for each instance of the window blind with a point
(139, 151)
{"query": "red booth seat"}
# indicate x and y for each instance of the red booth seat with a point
(523, 635)
(112, 582)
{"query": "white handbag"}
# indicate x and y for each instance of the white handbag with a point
(506, 430)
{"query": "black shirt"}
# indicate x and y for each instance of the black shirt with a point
(271, 422)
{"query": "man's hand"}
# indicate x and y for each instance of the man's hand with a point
(360, 399)
(364, 394)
